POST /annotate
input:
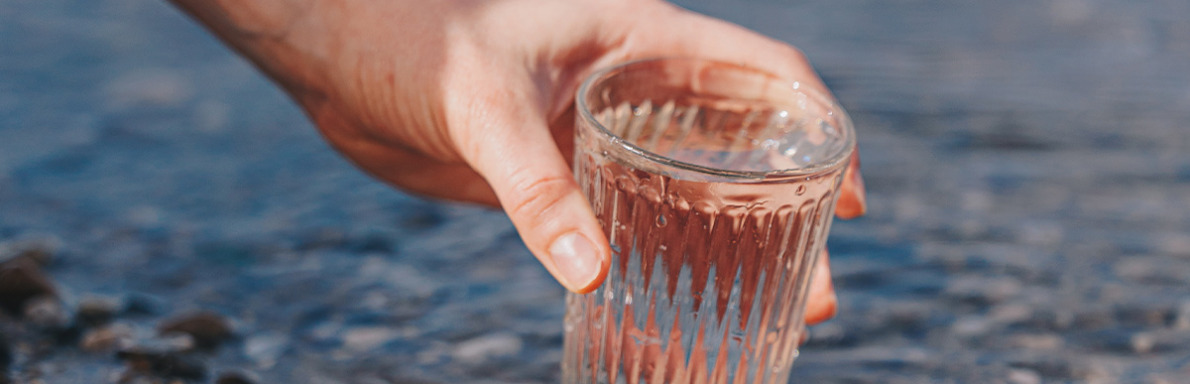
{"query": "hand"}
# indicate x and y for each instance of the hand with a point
(473, 100)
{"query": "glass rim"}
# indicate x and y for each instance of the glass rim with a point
(662, 162)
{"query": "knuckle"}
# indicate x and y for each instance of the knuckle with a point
(536, 195)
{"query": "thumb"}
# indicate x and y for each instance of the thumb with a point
(509, 143)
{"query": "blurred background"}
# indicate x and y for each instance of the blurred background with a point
(1027, 162)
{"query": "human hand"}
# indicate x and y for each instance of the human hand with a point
(473, 100)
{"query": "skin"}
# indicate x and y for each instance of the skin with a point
(473, 101)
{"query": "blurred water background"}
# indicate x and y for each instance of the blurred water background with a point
(1027, 161)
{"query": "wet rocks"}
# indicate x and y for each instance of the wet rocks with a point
(208, 329)
(236, 378)
(367, 338)
(106, 338)
(162, 362)
(96, 310)
(47, 313)
(22, 280)
(39, 249)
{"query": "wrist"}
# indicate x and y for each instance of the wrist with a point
(286, 39)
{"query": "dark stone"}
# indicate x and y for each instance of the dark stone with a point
(235, 378)
(164, 363)
(1151, 315)
(5, 356)
(1052, 368)
(96, 311)
(46, 312)
(21, 280)
(37, 250)
(208, 329)
(106, 337)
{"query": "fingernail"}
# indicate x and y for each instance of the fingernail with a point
(575, 260)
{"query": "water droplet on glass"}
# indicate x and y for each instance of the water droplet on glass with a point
(661, 222)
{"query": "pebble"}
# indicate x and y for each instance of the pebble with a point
(1142, 343)
(1023, 376)
(1046, 342)
(236, 378)
(1052, 368)
(487, 347)
(22, 281)
(169, 364)
(96, 310)
(106, 338)
(46, 312)
(1150, 315)
(208, 329)
(971, 326)
(163, 356)
(367, 338)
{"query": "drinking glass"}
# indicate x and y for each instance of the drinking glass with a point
(715, 184)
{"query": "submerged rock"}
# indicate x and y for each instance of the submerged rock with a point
(169, 365)
(208, 329)
(165, 358)
(95, 311)
(107, 337)
(236, 378)
(46, 312)
(22, 280)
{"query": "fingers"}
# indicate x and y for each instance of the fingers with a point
(399, 166)
(691, 34)
(822, 302)
(506, 140)
(852, 197)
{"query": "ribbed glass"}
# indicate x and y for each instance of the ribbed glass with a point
(717, 207)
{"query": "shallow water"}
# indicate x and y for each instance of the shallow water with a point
(1028, 168)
